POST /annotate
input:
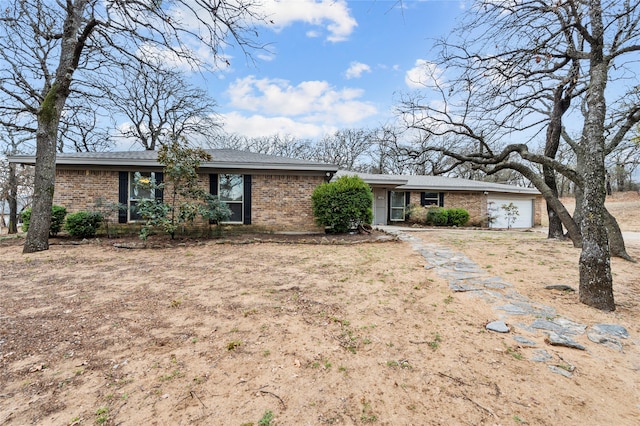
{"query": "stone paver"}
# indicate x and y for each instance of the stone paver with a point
(463, 275)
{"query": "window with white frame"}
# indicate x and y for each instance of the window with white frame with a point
(139, 192)
(397, 206)
(231, 191)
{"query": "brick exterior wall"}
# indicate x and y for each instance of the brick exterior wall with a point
(473, 202)
(79, 190)
(476, 204)
(279, 202)
(283, 202)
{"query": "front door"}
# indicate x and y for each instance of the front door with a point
(379, 206)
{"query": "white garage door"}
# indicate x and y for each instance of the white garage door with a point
(523, 218)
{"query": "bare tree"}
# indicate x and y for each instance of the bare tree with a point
(48, 48)
(160, 106)
(282, 145)
(13, 182)
(521, 63)
(276, 144)
(622, 164)
(344, 148)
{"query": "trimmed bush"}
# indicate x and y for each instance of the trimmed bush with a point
(457, 217)
(437, 216)
(416, 214)
(343, 205)
(58, 214)
(83, 224)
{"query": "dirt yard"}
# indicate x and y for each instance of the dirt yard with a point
(304, 331)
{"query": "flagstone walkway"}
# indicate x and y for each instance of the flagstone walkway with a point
(463, 275)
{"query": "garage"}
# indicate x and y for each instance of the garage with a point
(521, 216)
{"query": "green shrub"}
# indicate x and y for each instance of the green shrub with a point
(457, 217)
(83, 224)
(437, 216)
(416, 214)
(58, 214)
(343, 205)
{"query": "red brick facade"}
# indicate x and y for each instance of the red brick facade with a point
(279, 202)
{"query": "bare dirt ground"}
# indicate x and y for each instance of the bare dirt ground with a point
(282, 332)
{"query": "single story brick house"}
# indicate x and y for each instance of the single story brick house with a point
(267, 191)
(274, 192)
(393, 193)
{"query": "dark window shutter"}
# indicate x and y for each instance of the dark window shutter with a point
(441, 200)
(422, 198)
(213, 184)
(247, 200)
(388, 207)
(159, 192)
(407, 198)
(213, 188)
(123, 193)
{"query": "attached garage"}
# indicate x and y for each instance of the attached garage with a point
(394, 194)
(510, 212)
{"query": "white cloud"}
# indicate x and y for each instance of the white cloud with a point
(423, 74)
(202, 56)
(279, 97)
(308, 108)
(333, 15)
(257, 125)
(356, 69)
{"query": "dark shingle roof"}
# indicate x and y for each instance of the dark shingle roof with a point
(221, 159)
(437, 183)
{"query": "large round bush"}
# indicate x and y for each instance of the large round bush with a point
(58, 214)
(343, 205)
(83, 224)
(437, 216)
(457, 217)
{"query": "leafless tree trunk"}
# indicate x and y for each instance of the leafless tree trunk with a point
(161, 107)
(53, 43)
(508, 57)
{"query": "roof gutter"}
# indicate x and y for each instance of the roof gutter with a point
(111, 162)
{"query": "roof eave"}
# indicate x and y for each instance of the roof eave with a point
(515, 190)
(111, 162)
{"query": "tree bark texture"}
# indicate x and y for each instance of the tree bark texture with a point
(45, 174)
(552, 143)
(616, 240)
(54, 98)
(596, 284)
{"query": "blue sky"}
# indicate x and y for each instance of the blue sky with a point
(330, 64)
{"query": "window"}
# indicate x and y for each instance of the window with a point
(431, 199)
(136, 193)
(397, 206)
(231, 191)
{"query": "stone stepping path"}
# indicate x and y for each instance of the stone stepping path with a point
(464, 275)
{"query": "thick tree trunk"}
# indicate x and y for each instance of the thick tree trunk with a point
(71, 45)
(45, 172)
(614, 234)
(596, 283)
(573, 230)
(43, 188)
(552, 143)
(13, 199)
